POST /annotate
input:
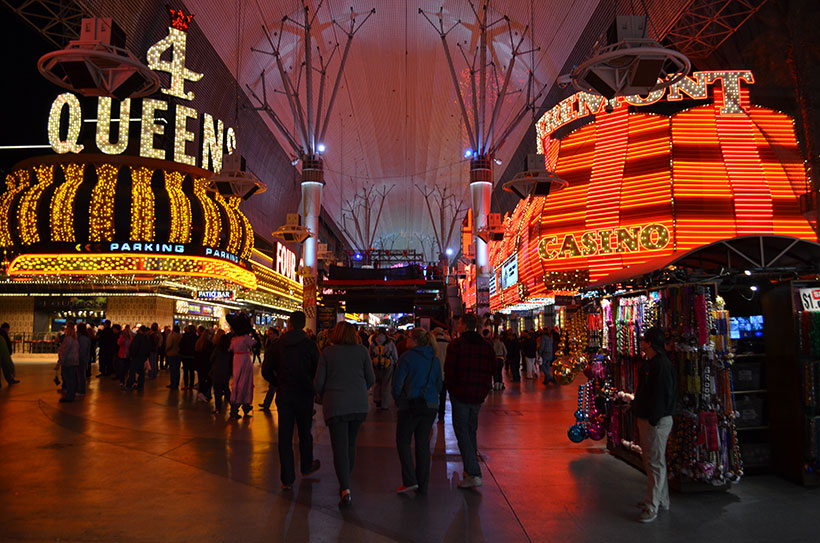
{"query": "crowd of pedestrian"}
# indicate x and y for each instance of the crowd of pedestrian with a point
(414, 370)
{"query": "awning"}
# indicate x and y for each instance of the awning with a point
(636, 270)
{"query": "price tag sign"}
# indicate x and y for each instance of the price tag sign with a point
(810, 297)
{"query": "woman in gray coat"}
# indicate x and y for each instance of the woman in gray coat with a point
(344, 375)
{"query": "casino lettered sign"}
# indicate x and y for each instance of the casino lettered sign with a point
(644, 185)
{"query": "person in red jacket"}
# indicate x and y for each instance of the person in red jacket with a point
(468, 376)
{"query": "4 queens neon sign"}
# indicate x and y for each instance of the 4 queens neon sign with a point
(214, 137)
(651, 237)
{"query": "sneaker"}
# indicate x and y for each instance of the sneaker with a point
(346, 500)
(642, 505)
(314, 467)
(647, 516)
(287, 488)
(469, 481)
(405, 489)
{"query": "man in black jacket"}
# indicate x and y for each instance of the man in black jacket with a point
(138, 352)
(296, 358)
(108, 349)
(653, 406)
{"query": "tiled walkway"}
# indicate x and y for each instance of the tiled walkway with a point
(157, 466)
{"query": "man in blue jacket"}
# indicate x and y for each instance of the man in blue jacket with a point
(416, 386)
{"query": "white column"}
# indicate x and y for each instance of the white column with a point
(481, 193)
(481, 188)
(312, 183)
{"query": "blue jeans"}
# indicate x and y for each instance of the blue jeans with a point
(465, 426)
(173, 366)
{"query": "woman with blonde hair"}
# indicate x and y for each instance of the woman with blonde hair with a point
(344, 375)
(416, 386)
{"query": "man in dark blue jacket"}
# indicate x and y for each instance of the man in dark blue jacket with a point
(296, 358)
(653, 406)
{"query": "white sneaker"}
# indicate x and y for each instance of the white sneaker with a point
(648, 516)
(465, 482)
(468, 481)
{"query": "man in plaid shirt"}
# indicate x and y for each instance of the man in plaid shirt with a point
(468, 376)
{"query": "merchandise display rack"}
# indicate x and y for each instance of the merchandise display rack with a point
(792, 314)
(703, 451)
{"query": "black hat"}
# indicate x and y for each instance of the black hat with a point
(240, 323)
(655, 337)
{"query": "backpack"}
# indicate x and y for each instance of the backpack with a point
(380, 357)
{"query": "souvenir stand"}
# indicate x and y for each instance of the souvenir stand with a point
(791, 312)
(703, 448)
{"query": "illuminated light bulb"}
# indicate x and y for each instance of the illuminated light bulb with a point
(320, 148)
(449, 252)
(747, 272)
(753, 288)
(468, 153)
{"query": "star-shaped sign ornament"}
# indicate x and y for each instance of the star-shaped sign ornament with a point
(180, 20)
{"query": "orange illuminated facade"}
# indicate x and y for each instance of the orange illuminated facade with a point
(644, 185)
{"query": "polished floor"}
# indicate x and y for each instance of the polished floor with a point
(157, 466)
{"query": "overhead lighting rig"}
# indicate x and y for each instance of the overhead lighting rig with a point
(292, 231)
(234, 179)
(535, 180)
(628, 63)
(98, 64)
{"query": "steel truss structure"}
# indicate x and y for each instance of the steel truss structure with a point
(704, 25)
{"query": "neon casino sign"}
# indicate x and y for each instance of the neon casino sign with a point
(651, 237)
(214, 135)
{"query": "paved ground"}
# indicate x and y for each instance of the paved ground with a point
(157, 466)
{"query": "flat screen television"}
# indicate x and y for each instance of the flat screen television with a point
(746, 327)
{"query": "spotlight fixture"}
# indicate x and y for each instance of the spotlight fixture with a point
(234, 179)
(320, 148)
(498, 161)
(449, 252)
(294, 161)
(468, 153)
(747, 272)
(753, 288)
(626, 62)
(98, 64)
(536, 180)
